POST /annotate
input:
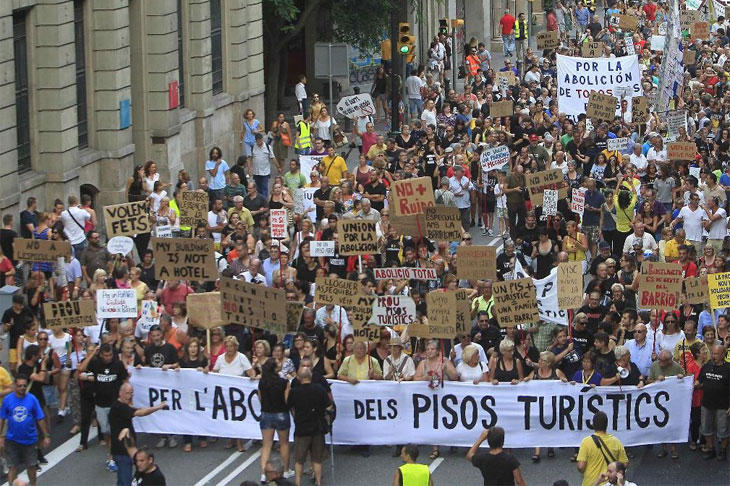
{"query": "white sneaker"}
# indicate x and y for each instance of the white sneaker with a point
(490, 232)
(247, 445)
(172, 443)
(289, 474)
(263, 479)
(161, 443)
(62, 413)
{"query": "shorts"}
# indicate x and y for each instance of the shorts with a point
(714, 422)
(102, 417)
(19, 455)
(276, 421)
(591, 233)
(489, 204)
(312, 444)
(13, 355)
(502, 213)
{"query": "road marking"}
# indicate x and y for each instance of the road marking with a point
(240, 468)
(436, 463)
(59, 454)
(218, 469)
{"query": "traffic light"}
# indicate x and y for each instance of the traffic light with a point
(406, 42)
(444, 26)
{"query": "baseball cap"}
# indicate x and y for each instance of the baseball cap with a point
(533, 138)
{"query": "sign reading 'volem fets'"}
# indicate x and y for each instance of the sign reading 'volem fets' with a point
(127, 219)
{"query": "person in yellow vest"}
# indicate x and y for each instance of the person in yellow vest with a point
(521, 39)
(411, 473)
(179, 230)
(303, 138)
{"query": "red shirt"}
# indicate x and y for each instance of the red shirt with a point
(508, 24)
(689, 270)
(170, 296)
(650, 11)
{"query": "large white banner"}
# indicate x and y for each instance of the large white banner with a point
(307, 163)
(546, 290)
(536, 413)
(578, 76)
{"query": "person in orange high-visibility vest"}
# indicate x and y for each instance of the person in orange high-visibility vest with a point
(471, 64)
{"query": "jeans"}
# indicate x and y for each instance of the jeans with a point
(509, 44)
(415, 105)
(304, 105)
(262, 184)
(79, 247)
(124, 471)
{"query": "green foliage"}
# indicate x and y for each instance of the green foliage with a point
(361, 23)
(286, 10)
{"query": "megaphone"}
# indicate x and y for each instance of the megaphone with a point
(622, 372)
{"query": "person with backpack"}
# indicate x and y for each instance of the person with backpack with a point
(599, 450)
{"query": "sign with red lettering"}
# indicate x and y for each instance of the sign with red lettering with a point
(405, 273)
(277, 222)
(393, 310)
(660, 285)
(547, 179)
(412, 196)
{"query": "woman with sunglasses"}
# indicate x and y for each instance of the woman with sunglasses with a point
(217, 348)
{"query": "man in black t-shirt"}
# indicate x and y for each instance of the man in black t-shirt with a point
(148, 473)
(375, 191)
(714, 381)
(321, 196)
(158, 353)
(497, 467)
(7, 236)
(14, 322)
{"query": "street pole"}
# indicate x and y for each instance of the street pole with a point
(395, 66)
(329, 72)
(453, 58)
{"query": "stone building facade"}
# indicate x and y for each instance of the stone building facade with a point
(89, 88)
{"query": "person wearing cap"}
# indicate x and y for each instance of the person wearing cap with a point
(460, 186)
(398, 366)
(604, 253)
(538, 152)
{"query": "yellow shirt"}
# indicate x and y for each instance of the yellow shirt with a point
(333, 168)
(351, 368)
(570, 243)
(245, 215)
(5, 380)
(592, 456)
(375, 150)
(671, 250)
(624, 217)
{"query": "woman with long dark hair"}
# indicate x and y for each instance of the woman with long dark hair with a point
(273, 392)
(135, 185)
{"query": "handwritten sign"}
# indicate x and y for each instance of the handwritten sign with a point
(405, 273)
(676, 123)
(687, 18)
(355, 106)
(120, 245)
(253, 305)
(463, 311)
(412, 196)
(476, 262)
(639, 109)
(681, 150)
(505, 79)
(700, 30)
(393, 310)
(294, 312)
(441, 309)
(409, 225)
(625, 22)
(193, 206)
(550, 202)
(696, 290)
(357, 236)
(184, 259)
(278, 223)
(336, 291)
(578, 201)
(689, 57)
(499, 109)
(359, 315)
(321, 248)
(149, 315)
(40, 250)
(494, 158)
(591, 49)
(116, 303)
(570, 285)
(548, 40)
(204, 310)
(719, 289)
(70, 313)
(601, 106)
(617, 144)
(630, 50)
(660, 285)
(657, 42)
(443, 223)
(515, 302)
(547, 179)
(127, 219)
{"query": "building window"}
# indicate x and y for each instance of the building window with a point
(180, 57)
(216, 45)
(22, 103)
(80, 45)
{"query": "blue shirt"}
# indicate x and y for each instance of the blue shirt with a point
(641, 355)
(22, 415)
(705, 320)
(593, 379)
(595, 200)
(219, 180)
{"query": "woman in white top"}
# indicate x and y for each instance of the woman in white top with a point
(429, 113)
(60, 343)
(323, 126)
(150, 177)
(470, 369)
(156, 195)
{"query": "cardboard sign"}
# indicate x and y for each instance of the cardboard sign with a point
(505, 79)
(412, 196)
(149, 315)
(687, 18)
(193, 206)
(127, 219)
(116, 303)
(700, 30)
(548, 40)
(688, 57)
(570, 285)
(294, 312)
(357, 236)
(359, 315)
(441, 310)
(681, 150)
(660, 285)
(204, 310)
(278, 223)
(463, 311)
(253, 305)
(321, 248)
(494, 158)
(476, 262)
(336, 291)
(405, 273)
(515, 302)
(355, 106)
(617, 144)
(40, 250)
(393, 310)
(120, 245)
(547, 179)
(578, 200)
(184, 259)
(443, 223)
(639, 109)
(499, 109)
(70, 313)
(601, 106)
(409, 225)
(718, 288)
(591, 49)
(695, 289)
(625, 22)
(550, 202)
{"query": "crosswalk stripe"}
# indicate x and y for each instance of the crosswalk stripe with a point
(240, 468)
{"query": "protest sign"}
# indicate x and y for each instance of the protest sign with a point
(116, 303)
(149, 315)
(547, 179)
(700, 30)
(359, 314)
(601, 106)
(304, 202)
(120, 245)
(393, 310)
(515, 302)
(550, 202)
(578, 201)
(204, 310)
(639, 109)
(357, 236)
(411, 196)
(687, 18)
(321, 248)
(127, 219)
(505, 79)
(463, 311)
(688, 57)
(660, 285)
(494, 158)
(441, 311)
(405, 273)
(499, 109)
(193, 206)
(657, 42)
(278, 223)
(676, 123)
(443, 223)
(476, 262)
(546, 290)
(293, 316)
(70, 313)
(630, 50)
(718, 289)
(409, 225)
(695, 172)
(336, 291)
(184, 259)
(591, 49)
(548, 40)
(163, 231)
(219, 405)
(617, 144)
(253, 305)
(696, 290)
(626, 22)
(570, 285)
(34, 250)
(681, 150)
(577, 77)
(355, 106)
